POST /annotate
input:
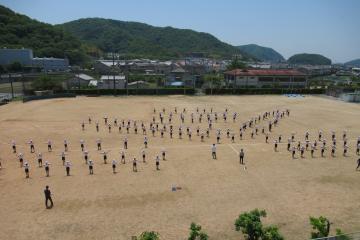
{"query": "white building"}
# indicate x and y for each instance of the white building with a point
(107, 82)
(266, 78)
(26, 58)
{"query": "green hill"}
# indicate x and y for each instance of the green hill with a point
(311, 59)
(17, 31)
(262, 53)
(142, 40)
(354, 63)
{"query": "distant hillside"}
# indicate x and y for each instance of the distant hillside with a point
(142, 40)
(17, 31)
(264, 54)
(311, 59)
(354, 63)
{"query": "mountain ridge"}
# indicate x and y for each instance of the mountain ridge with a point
(262, 53)
(309, 58)
(141, 39)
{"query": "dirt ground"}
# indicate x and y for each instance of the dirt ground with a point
(213, 192)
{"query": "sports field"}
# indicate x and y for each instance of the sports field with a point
(210, 192)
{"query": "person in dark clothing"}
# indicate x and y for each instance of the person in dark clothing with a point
(48, 198)
(358, 164)
(241, 156)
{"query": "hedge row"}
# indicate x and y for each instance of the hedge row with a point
(135, 91)
(239, 91)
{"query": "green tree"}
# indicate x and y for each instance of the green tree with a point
(340, 235)
(45, 82)
(196, 233)
(214, 80)
(149, 236)
(271, 233)
(321, 225)
(2, 69)
(236, 64)
(249, 223)
(15, 67)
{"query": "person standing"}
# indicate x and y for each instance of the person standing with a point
(358, 164)
(114, 163)
(82, 142)
(91, 167)
(32, 147)
(157, 163)
(26, 166)
(143, 156)
(40, 159)
(213, 151)
(49, 144)
(98, 142)
(21, 159)
(241, 154)
(47, 168)
(48, 198)
(67, 168)
(134, 165)
(13, 143)
(65, 145)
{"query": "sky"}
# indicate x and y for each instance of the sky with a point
(327, 27)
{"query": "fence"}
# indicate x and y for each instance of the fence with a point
(239, 91)
(345, 236)
(132, 91)
(14, 85)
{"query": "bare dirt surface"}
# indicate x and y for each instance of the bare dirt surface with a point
(213, 192)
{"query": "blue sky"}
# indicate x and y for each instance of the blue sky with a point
(328, 27)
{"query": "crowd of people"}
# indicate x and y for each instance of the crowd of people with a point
(164, 123)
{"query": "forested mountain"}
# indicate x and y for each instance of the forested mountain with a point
(79, 39)
(142, 40)
(17, 31)
(262, 53)
(354, 63)
(311, 59)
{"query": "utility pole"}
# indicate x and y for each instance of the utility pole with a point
(12, 87)
(113, 71)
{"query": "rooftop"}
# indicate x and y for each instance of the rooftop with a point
(265, 72)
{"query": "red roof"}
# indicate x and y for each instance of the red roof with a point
(265, 72)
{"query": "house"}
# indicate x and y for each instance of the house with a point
(80, 80)
(180, 75)
(111, 82)
(286, 78)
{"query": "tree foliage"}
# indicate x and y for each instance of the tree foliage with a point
(271, 233)
(149, 236)
(17, 31)
(236, 64)
(14, 67)
(340, 235)
(321, 225)
(249, 223)
(46, 82)
(141, 40)
(196, 233)
(311, 59)
(262, 53)
(214, 80)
